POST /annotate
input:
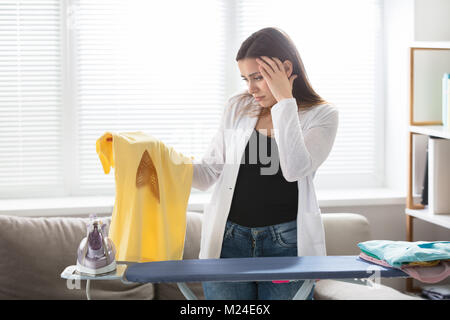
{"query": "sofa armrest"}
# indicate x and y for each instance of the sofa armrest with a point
(343, 231)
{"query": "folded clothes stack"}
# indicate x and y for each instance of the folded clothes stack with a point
(427, 262)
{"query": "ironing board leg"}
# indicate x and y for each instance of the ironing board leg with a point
(304, 290)
(88, 289)
(188, 294)
(301, 294)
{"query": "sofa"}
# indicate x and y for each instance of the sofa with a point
(34, 252)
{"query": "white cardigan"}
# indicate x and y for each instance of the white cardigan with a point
(304, 140)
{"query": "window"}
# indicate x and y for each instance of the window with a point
(143, 66)
(71, 70)
(340, 45)
(31, 93)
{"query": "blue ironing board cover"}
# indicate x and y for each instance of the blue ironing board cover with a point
(258, 269)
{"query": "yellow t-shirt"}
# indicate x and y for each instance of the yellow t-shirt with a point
(153, 184)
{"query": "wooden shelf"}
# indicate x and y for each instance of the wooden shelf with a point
(442, 220)
(430, 127)
(436, 131)
(430, 44)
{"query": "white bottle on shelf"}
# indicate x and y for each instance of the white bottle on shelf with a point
(439, 176)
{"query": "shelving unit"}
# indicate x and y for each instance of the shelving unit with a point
(424, 214)
(436, 131)
(417, 210)
(426, 127)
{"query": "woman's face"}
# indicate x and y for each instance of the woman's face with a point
(256, 84)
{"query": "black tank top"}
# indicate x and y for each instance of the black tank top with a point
(262, 196)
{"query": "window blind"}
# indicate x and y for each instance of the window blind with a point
(30, 98)
(167, 68)
(157, 67)
(340, 45)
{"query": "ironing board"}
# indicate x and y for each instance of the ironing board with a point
(71, 274)
(308, 268)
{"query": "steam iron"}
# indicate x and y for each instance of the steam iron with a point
(96, 252)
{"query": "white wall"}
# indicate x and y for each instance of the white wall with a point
(432, 21)
(398, 33)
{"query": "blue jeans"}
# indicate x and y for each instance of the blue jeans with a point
(279, 240)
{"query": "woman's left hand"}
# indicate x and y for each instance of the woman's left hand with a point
(276, 77)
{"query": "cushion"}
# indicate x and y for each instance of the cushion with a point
(34, 252)
(340, 290)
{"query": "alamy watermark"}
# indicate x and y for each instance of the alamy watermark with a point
(232, 156)
(374, 280)
(72, 284)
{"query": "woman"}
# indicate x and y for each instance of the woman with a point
(259, 209)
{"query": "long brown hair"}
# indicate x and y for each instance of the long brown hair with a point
(273, 42)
